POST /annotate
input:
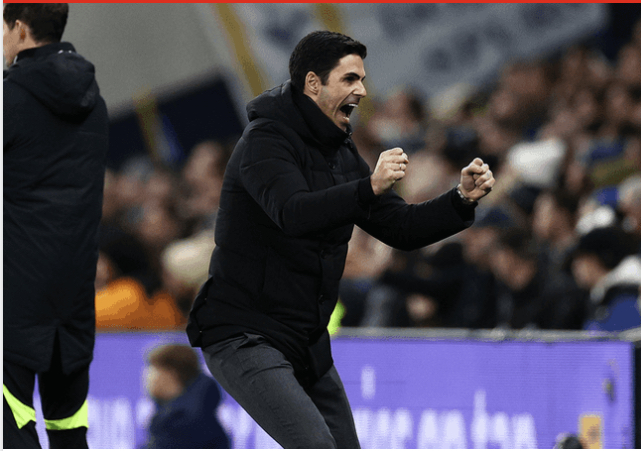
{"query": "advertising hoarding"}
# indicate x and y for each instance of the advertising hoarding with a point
(412, 393)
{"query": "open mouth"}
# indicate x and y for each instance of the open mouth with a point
(348, 108)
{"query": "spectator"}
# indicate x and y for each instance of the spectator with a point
(184, 268)
(529, 85)
(553, 224)
(426, 176)
(117, 298)
(494, 138)
(628, 70)
(158, 227)
(630, 206)
(529, 294)
(385, 301)
(129, 190)
(122, 302)
(127, 254)
(110, 206)
(479, 243)
(587, 108)
(603, 264)
(461, 141)
(186, 401)
(400, 122)
(129, 291)
(480, 240)
(568, 441)
(442, 289)
(203, 180)
(160, 187)
(366, 259)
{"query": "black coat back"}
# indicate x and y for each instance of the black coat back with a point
(55, 143)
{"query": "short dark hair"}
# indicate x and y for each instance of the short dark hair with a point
(565, 201)
(181, 359)
(320, 52)
(519, 242)
(610, 245)
(46, 21)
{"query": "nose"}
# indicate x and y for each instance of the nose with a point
(360, 89)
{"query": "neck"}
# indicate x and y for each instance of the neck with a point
(28, 44)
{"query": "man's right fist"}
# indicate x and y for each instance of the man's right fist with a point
(390, 168)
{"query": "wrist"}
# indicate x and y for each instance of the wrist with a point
(376, 188)
(371, 184)
(366, 193)
(466, 200)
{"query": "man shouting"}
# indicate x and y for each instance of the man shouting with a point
(294, 188)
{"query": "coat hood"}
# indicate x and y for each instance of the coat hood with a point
(58, 77)
(286, 104)
(278, 104)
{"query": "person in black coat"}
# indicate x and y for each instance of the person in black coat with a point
(531, 293)
(293, 190)
(55, 143)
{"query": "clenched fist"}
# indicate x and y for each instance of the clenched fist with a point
(476, 180)
(390, 168)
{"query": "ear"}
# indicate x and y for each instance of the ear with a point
(22, 29)
(312, 84)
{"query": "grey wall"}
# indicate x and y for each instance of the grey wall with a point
(142, 47)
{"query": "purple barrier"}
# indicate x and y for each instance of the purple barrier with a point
(413, 393)
(447, 394)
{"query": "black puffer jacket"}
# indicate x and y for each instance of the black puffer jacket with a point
(293, 190)
(55, 143)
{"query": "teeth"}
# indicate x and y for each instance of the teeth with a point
(348, 108)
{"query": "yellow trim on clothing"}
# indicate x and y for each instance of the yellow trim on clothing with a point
(336, 318)
(77, 420)
(21, 412)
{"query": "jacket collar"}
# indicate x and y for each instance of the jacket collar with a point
(322, 128)
(44, 51)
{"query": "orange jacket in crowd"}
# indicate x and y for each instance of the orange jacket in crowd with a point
(123, 304)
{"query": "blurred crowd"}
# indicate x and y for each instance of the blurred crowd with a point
(156, 238)
(556, 245)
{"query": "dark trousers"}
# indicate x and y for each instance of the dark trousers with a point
(63, 398)
(262, 381)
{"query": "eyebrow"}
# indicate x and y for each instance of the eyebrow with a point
(354, 74)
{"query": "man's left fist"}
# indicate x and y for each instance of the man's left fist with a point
(476, 180)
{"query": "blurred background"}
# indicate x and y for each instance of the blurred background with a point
(506, 335)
